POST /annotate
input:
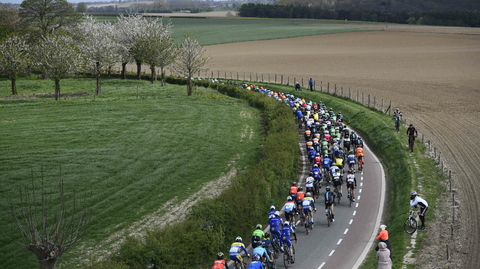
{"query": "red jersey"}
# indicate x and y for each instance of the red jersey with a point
(293, 189)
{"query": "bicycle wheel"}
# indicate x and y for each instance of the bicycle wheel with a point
(339, 197)
(329, 218)
(350, 198)
(286, 258)
(411, 142)
(307, 225)
(410, 225)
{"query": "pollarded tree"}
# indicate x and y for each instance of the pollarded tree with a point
(59, 57)
(190, 60)
(48, 226)
(44, 17)
(155, 46)
(99, 46)
(14, 58)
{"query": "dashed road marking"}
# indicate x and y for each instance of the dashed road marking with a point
(346, 231)
(339, 241)
(321, 265)
(350, 222)
(331, 253)
(354, 212)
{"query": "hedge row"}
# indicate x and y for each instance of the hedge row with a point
(213, 224)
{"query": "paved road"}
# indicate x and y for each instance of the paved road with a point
(346, 242)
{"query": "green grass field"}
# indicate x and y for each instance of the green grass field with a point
(213, 31)
(133, 148)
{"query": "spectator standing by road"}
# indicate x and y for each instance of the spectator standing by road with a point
(297, 86)
(383, 237)
(311, 82)
(383, 257)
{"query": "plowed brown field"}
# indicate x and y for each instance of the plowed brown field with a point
(431, 73)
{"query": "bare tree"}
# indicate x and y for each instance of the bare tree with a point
(59, 57)
(14, 58)
(155, 46)
(190, 60)
(43, 17)
(49, 227)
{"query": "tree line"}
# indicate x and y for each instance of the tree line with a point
(463, 18)
(48, 36)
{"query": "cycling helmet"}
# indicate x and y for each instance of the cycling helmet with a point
(316, 154)
(308, 194)
(353, 132)
(350, 171)
(327, 188)
(294, 184)
(300, 189)
(272, 207)
(256, 257)
(267, 235)
(286, 223)
(259, 226)
(289, 198)
(238, 239)
(277, 213)
(271, 216)
(316, 165)
(220, 255)
(410, 125)
(413, 193)
(359, 137)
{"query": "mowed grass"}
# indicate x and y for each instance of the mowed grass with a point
(213, 31)
(133, 148)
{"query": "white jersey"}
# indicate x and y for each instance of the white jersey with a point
(351, 178)
(418, 200)
(309, 182)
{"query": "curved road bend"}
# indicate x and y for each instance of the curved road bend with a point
(347, 241)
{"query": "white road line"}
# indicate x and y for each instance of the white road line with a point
(356, 205)
(339, 241)
(360, 190)
(331, 253)
(358, 199)
(351, 220)
(321, 265)
(361, 184)
(361, 178)
(346, 231)
(354, 212)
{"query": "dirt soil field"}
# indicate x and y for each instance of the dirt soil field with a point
(431, 73)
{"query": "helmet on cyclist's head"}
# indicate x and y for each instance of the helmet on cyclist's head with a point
(263, 244)
(271, 216)
(267, 235)
(256, 257)
(308, 194)
(327, 188)
(350, 171)
(277, 213)
(413, 193)
(316, 165)
(238, 239)
(272, 207)
(294, 184)
(289, 198)
(220, 255)
(300, 189)
(259, 226)
(383, 227)
(316, 154)
(286, 223)
(410, 125)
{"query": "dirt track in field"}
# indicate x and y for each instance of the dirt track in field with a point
(431, 73)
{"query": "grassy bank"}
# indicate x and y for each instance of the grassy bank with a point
(134, 148)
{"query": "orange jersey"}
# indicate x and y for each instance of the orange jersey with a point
(300, 195)
(359, 152)
(382, 235)
(293, 189)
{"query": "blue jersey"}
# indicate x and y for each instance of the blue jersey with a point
(286, 232)
(316, 173)
(289, 206)
(256, 265)
(351, 158)
(311, 154)
(327, 162)
(299, 114)
(275, 225)
(271, 212)
(261, 251)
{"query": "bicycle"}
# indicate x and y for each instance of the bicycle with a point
(309, 224)
(275, 246)
(411, 142)
(329, 217)
(237, 265)
(350, 197)
(338, 196)
(410, 225)
(360, 163)
(397, 123)
(288, 258)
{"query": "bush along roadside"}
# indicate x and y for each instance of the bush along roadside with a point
(213, 224)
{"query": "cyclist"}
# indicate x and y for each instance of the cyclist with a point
(290, 208)
(272, 211)
(351, 183)
(326, 163)
(359, 153)
(351, 161)
(287, 231)
(339, 161)
(267, 242)
(293, 190)
(311, 155)
(317, 161)
(337, 181)
(329, 197)
(256, 263)
(309, 183)
(412, 133)
(236, 250)
(308, 204)
(262, 252)
(274, 223)
(397, 113)
(359, 141)
(300, 196)
(353, 138)
(257, 236)
(220, 262)
(417, 201)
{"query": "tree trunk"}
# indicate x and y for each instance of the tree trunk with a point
(139, 69)
(97, 75)
(57, 89)
(124, 70)
(189, 87)
(47, 264)
(153, 75)
(162, 76)
(14, 85)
